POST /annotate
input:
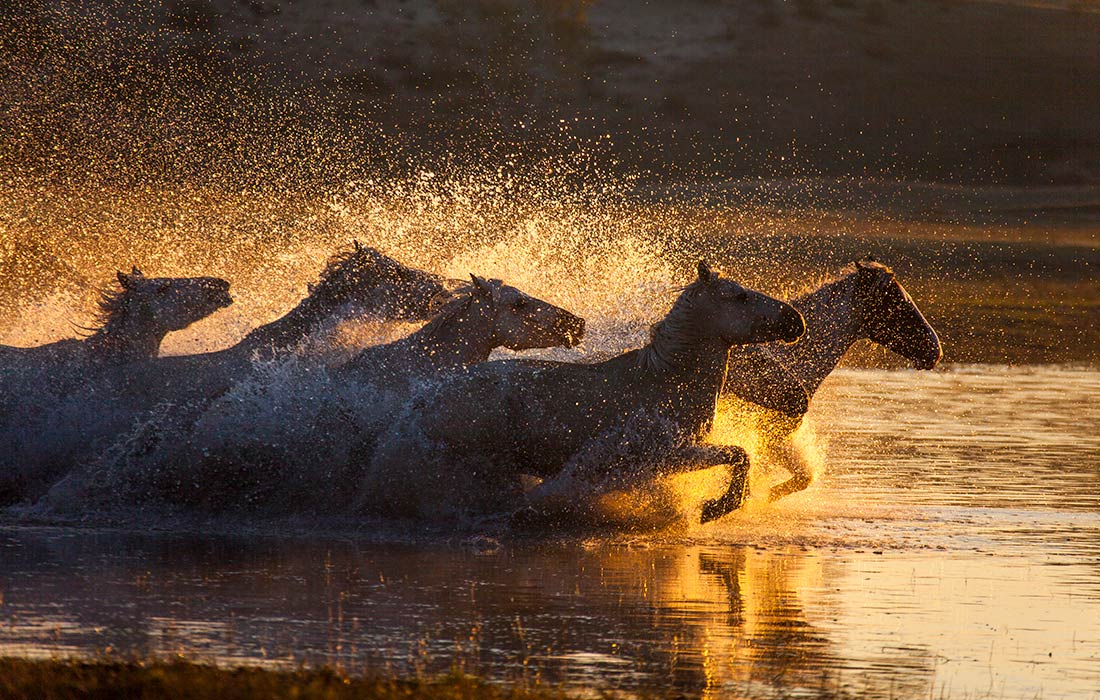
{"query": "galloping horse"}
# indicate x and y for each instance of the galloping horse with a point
(866, 303)
(489, 315)
(134, 319)
(473, 436)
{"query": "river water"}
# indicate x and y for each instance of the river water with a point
(949, 548)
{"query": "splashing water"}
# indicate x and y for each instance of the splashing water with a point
(599, 251)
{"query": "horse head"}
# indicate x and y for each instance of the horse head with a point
(888, 316)
(522, 322)
(380, 285)
(169, 303)
(739, 315)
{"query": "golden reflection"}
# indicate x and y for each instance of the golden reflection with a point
(743, 615)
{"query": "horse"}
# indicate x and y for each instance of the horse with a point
(360, 281)
(472, 436)
(133, 320)
(258, 446)
(866, 303)
(489, 315)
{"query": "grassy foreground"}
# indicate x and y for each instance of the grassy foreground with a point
(187, 680)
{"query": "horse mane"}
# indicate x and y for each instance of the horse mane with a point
(110, 308)
(674, 333)
(345, 267)
(463, 298)
(831, 283)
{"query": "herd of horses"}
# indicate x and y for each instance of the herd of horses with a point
(455, 423)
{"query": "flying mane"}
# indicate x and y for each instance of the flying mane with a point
(338, 282)
(110, 311)
(345, 269)
(845, 273)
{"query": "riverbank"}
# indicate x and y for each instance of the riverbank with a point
(182, 679)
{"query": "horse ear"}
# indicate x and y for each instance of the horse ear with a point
(358, 245)
(705, 275)
(862, 263)
(123, 279)
(481, 285)
(134, 272)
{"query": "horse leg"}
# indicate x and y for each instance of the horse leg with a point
(735, 493)
(801, 474)
(706, 456)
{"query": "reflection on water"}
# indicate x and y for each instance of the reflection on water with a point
(952, 548)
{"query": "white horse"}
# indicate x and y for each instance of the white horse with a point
(468, 441)
(134, 319)
(490, 314)
(866, 303)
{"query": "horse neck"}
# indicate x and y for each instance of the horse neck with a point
(460, 339)
(684, 356)
(125, 338)
(309, 315)
(832, 326)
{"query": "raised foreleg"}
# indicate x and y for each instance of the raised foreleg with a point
(695, 457)
(788, 457)
(605, 464)
(734, 496)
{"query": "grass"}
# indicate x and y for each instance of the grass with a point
(187, 680)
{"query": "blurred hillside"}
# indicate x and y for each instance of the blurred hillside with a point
(286, 93)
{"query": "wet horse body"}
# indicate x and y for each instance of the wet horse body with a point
(475, 435)
(865, 304)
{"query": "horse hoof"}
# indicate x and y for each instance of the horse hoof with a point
(717, 507)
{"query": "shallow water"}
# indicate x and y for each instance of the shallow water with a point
(950, 548)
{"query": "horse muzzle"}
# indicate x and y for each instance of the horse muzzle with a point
(928, 362)
(791, 326)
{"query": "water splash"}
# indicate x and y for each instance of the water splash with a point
(577, 236)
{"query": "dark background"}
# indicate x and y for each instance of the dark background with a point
(290, 93)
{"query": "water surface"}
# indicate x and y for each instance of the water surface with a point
(950, 548)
